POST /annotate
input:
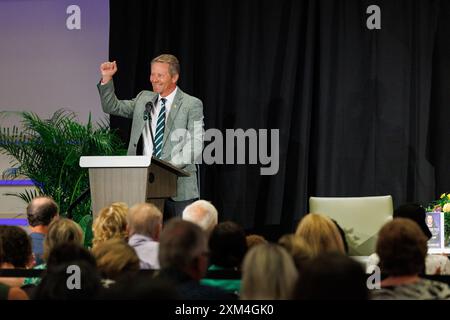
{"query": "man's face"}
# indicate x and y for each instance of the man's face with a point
(162, 82)
(430, 220)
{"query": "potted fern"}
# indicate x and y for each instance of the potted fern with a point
(47, 151)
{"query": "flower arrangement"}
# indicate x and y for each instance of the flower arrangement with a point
(440, 205)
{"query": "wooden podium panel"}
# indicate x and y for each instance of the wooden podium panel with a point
(110, 185)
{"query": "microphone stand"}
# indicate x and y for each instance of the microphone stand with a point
(148, 109)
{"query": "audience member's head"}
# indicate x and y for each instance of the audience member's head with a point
(115, 258)
(227, 245)
(332, 276)
(202, 213)
(145, 219)
(16, 247)
(320, 233)
(183, 247)
(41, 211)
(13, 293)
(268, 273)
(74, 280)
(297, 248)
(402, 248)
(61, 231)
(69, 252)
(110, 223)
(416, 213)
(254, 239)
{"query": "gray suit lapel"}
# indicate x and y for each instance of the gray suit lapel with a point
(140, 119)
(176, 105)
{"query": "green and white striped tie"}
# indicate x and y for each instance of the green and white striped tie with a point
(159, 135)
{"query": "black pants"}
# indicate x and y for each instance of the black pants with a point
(174, 209)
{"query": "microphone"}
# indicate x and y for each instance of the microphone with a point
(148, 110)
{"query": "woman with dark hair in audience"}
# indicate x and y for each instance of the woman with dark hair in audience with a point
(402, 248)
(6, 292)
(227, 246)
(17, 252)
(71, 275)
(332, 276)
(68, 252)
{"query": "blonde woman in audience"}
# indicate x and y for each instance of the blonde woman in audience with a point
(60, 231)
(115, 258)
(320, 234)
(268, 273)
(298, 249)
(111, 223)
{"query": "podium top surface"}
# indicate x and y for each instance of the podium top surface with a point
(129, 162)
(115, 162)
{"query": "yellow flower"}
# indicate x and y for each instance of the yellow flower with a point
(446, 207)
(448, 196)
(443, 195)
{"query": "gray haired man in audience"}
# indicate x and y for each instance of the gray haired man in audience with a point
(183, 255)
(144, 228)
(202, 213)
(40, 212)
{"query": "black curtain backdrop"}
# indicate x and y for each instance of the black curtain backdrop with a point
(360, 112)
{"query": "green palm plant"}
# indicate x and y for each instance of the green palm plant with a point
(47, 151)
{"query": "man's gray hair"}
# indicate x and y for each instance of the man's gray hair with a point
(180, 243)
(144, 219)
(202, 213)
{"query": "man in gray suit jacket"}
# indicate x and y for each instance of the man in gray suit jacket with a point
(165, 117)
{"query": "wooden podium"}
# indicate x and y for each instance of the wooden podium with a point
(130, 179)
